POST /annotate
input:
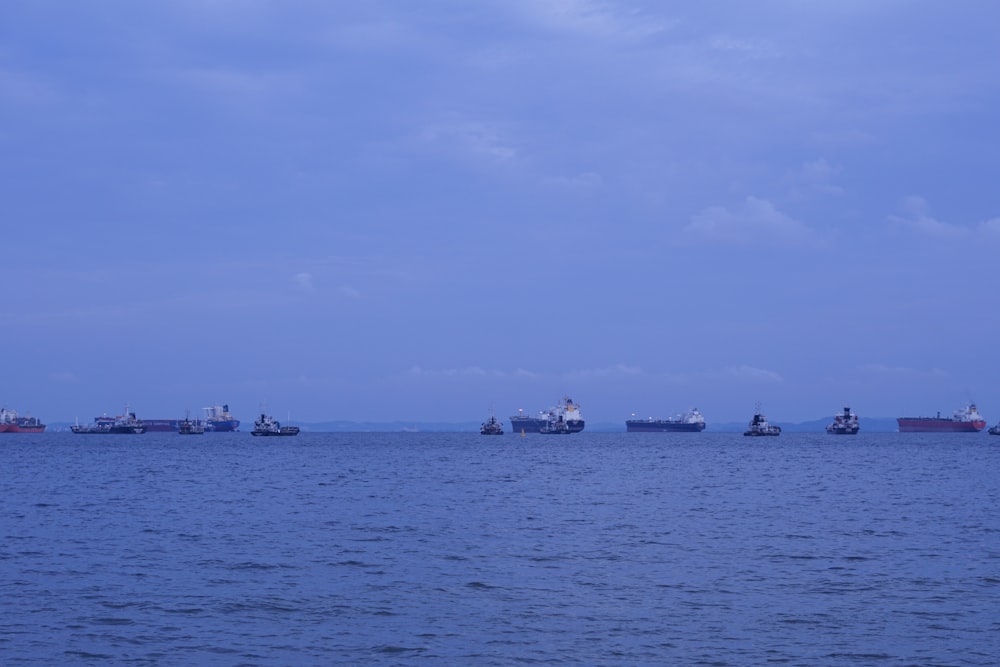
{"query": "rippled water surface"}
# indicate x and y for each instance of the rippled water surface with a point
(460, 549)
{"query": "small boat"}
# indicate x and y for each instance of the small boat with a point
(994, 430)
(188, 427)
(267, 425)
(556, 426)
(759, 426)
(491, 427)
(845, 423)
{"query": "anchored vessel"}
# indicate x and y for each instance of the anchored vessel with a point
(267, 425)
(566, 412)
(218, 419)
(188, 427)
(10, 422)
(491, 427)
(845, 423)
(690, 422)
(963, 420)
(127, 424)
(759, 425)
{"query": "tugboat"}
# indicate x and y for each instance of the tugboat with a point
(491, 427)
(845, 423)
(759, 425)
(557, 424)
(188, 427)
(267, 425)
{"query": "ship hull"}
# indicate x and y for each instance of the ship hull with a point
(13, 428)
(161, 425)
(532, 425)
(662, 426)
(935, 425)
(222, 426)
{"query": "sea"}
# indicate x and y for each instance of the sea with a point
(461, 549)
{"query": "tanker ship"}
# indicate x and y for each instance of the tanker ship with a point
(10, 422)
(566, 414)
(964, 420)
(690, 422)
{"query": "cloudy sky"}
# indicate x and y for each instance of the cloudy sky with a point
(395, 210)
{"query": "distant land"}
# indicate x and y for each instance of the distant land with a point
(870, 425)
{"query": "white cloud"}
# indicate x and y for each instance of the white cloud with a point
(902, 371)
(818, 176)
(589, 18)
(304, 281)
(991, 227)
(349, 292)
(756, 221)
(918, 218)
(239, 84)
(752, 373)
(468, 371)
(618, 370)
(474, 139)
(750, 48)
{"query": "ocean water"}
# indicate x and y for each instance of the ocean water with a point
(460, 549)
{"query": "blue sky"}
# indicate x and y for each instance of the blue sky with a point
(422, 211)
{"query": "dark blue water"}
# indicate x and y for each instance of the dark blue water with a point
(459, 549)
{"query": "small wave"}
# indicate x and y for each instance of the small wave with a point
(398, 649)
(112, 620)
(88, 656)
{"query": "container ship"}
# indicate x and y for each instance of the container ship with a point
(691, 421)
(964, 420)
(566, 414)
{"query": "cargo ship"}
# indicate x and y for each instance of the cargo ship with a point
(963, 420)
(11, 423)
(218, 419)
(566, 412)
(845, 423)
(691, 421)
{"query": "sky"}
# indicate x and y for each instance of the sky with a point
(428, 211)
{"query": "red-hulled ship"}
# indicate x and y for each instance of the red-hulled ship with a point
(964, 420)
(11, 423)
